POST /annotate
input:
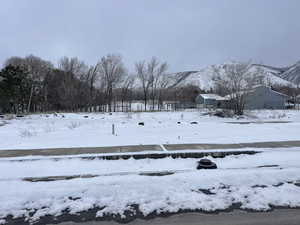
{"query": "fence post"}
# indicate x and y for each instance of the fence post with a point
(113, 129)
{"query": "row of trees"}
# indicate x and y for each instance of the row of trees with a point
(31, 84)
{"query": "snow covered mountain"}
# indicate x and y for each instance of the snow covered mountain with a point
(290, 73)
(288, 76)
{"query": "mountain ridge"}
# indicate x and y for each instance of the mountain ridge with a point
(285, 76)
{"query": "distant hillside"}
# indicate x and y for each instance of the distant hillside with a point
(204, 78)
(290, 73)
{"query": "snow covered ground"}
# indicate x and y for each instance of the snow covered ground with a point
(75, 130)
(238, 179)
(257, 182)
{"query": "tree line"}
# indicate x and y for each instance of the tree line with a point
(32, 84)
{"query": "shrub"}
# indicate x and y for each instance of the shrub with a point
(74, 125)
(26, 133)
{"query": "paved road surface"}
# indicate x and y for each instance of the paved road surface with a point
(141, 148)
(276, 217)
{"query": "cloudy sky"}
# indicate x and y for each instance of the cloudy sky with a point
(188, 34)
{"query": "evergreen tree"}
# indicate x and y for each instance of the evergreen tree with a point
(14, 89)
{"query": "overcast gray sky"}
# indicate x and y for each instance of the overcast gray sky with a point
(188, 34)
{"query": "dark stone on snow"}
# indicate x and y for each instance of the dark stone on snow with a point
(259, 186)
(164, 173)
(178, 122)
(86, 116)
(268, 166)
(297, 183)
(206, 191)
(141, 123)
(194, 122)
(206, 164)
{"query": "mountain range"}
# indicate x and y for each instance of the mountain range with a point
(285, 76)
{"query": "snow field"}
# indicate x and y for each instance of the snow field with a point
(74, 130)
(238, 179)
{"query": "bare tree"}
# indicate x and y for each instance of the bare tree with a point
(126, 87)
(145, 80)
(112, 71)
(149, 75)
(91, 77)
(298, 96)
(158, 78)
(235, 79)
(73, 66)
(292, 91)
(74, 82)
(163, 87)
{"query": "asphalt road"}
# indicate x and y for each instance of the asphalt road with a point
(141, 148)
(276, 217)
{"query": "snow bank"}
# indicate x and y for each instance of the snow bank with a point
(75, 166)
(237, 181)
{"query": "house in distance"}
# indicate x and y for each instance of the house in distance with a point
(263, 97)
(259, 97)
(211, 101)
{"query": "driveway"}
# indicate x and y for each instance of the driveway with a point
(276, 217)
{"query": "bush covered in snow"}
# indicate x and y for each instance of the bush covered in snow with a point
(74, 125)
(26, 133)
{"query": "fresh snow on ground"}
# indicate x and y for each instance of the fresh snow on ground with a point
(74, 166)
(74, 130)
(238, 179)
(120, 184)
